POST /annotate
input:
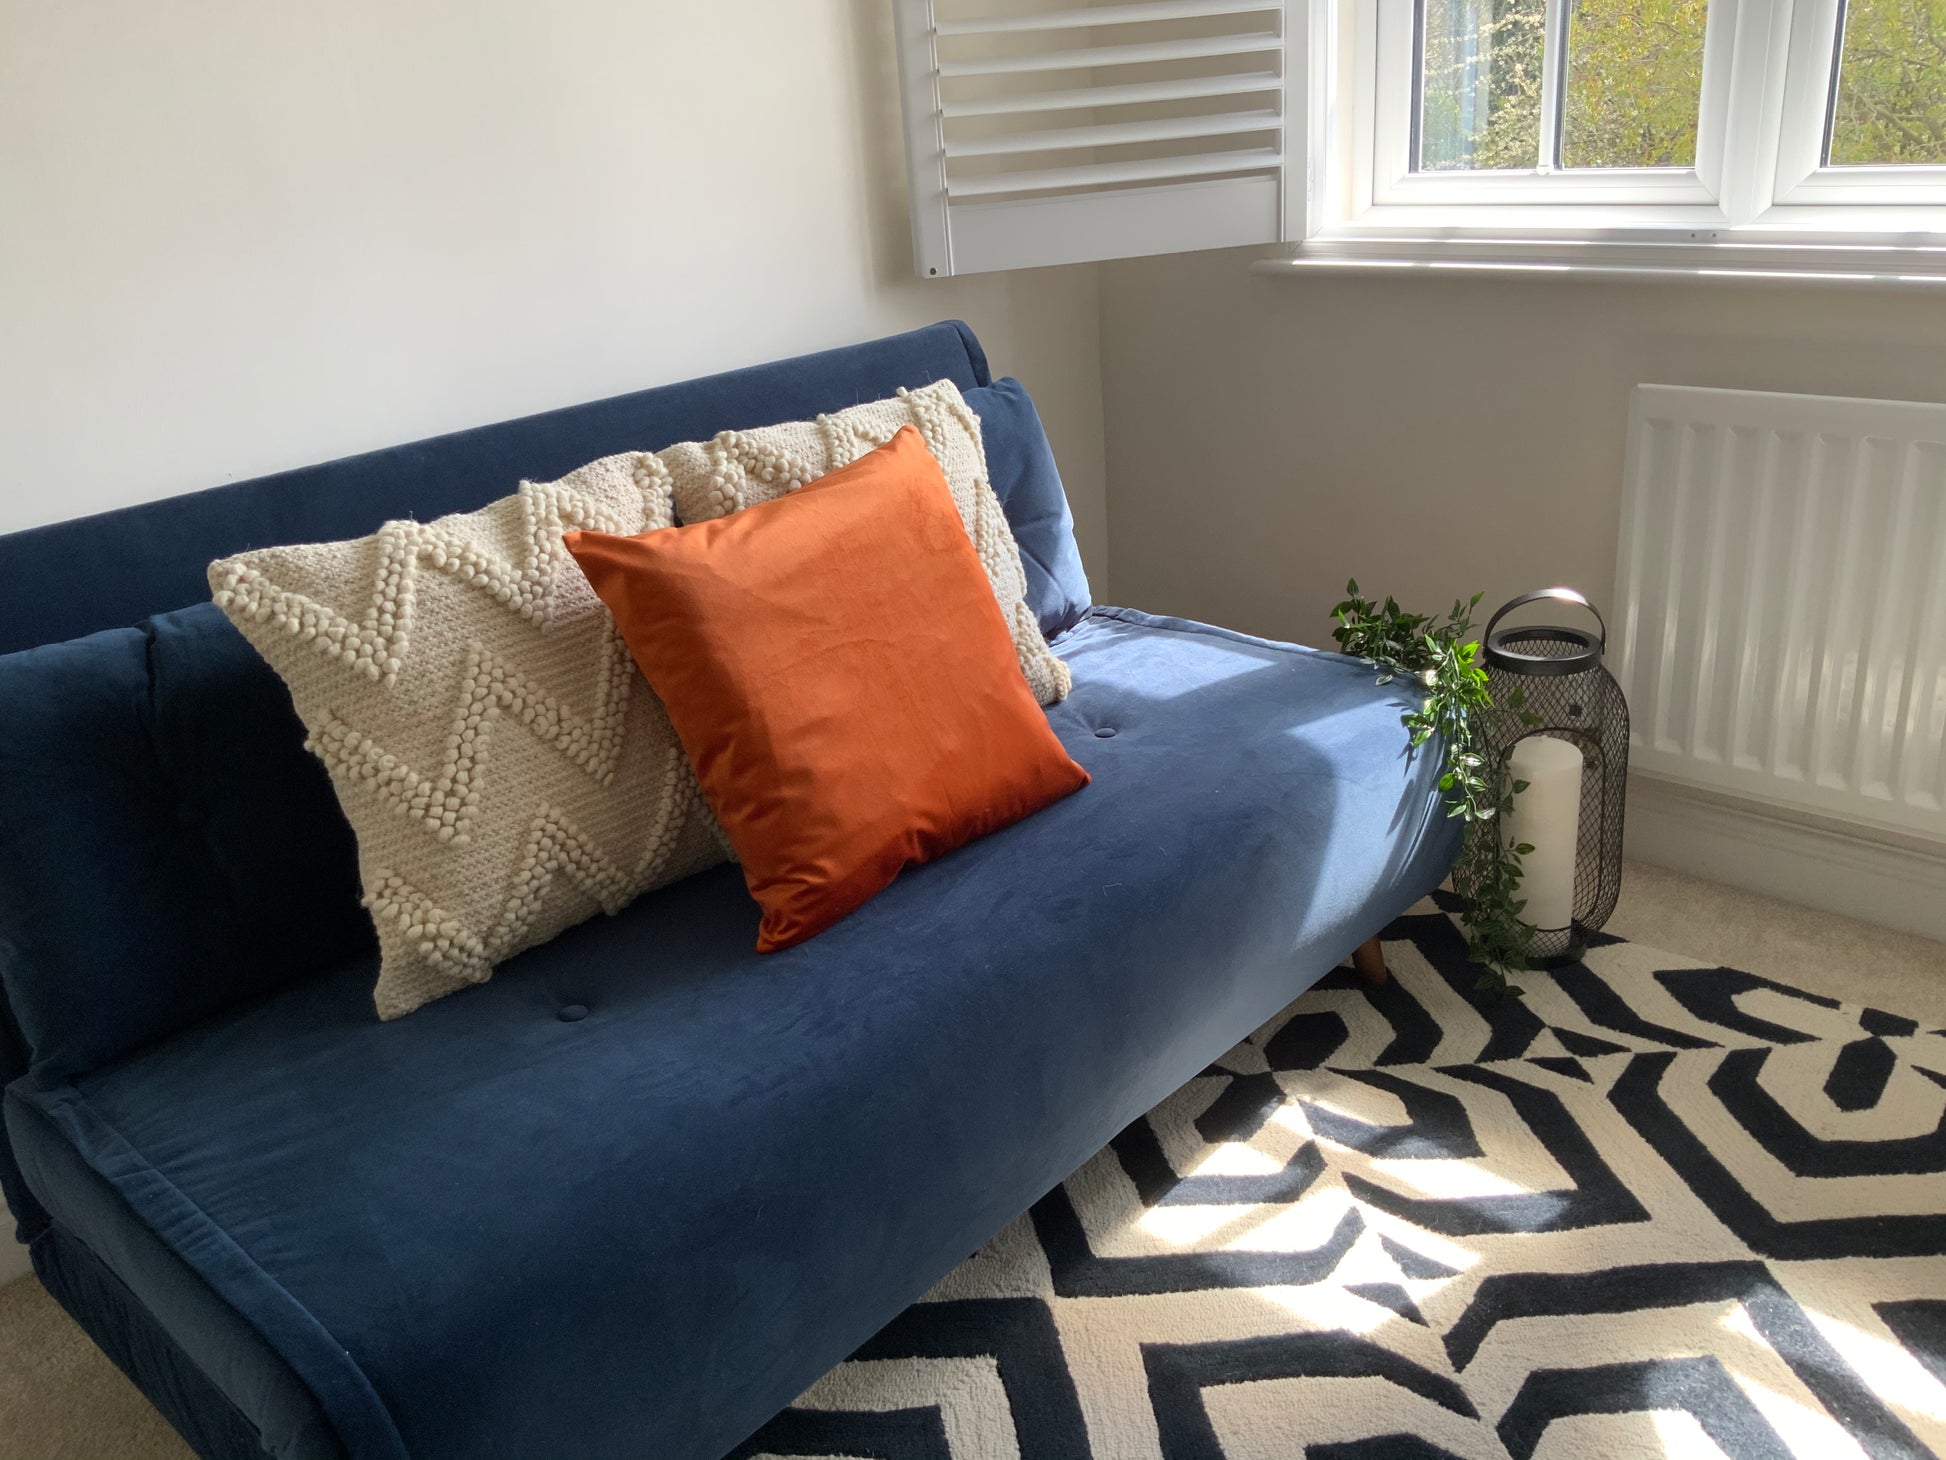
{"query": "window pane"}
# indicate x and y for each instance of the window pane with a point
(1891, 94)
(1634, 83)
(1480, 83)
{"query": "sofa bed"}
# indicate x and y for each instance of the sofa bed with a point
(633, 1195)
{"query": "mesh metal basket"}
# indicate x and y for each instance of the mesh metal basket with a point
(1560, 673)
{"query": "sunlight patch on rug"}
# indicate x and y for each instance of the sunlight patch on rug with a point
(1655, 1209)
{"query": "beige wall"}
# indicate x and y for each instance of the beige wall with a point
(240, 237)
(1269, 437)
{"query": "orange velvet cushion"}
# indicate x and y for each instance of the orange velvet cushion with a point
(839, 672)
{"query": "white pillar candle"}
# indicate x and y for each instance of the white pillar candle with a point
(1547, 815)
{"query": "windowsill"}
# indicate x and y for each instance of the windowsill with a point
(1875, 266)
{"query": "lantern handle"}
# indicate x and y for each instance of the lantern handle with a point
(1562, 595)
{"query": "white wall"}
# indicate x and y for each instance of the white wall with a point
(242, 236)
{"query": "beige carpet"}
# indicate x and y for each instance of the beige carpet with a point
(61, 1400)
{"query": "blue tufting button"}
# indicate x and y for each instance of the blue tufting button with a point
(573, 1012)
(1106, 732)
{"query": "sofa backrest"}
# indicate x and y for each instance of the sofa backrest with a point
(117, 568)
(167, 848)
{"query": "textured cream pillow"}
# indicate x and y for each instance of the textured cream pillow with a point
(507, 771)
(409, 653)
(737, 468)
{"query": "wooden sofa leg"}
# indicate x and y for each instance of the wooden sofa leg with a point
(1369, 959)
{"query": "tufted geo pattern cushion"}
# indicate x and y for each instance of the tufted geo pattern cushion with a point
(736, 469)
(503, 766)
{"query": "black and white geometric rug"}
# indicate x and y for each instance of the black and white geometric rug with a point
(1652, 1209)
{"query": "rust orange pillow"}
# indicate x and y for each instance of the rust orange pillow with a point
(840, 674)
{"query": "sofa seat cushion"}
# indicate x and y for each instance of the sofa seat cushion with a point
(633, 1195)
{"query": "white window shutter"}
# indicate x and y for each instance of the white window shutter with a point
(1046, 136)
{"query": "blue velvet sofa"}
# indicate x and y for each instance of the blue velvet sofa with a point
(630, 1197)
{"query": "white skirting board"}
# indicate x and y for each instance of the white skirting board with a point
(1883, 878)
(13, 1260)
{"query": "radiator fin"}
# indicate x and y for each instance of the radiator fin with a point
(1782, 624)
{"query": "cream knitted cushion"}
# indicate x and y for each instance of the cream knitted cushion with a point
(737, 468)
(507, 771)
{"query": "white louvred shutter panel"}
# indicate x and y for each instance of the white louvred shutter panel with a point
(1049, 136)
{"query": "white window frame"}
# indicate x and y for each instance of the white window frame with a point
(1759, 201)
(1802, 179)
(1393, 63)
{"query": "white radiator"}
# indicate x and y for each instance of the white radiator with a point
(1782, 587)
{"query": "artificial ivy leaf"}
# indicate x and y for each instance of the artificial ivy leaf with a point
(1394, 643)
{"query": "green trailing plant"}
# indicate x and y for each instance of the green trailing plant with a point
(1459, 710)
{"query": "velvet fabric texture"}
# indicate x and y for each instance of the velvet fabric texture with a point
(841, 678)
(140, 1346)
(194, 855)
(609, 1204)
(1020, 465)
(167, 846)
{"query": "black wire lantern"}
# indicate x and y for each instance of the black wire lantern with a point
(1573, 698)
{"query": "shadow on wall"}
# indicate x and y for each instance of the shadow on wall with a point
(880, 130)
